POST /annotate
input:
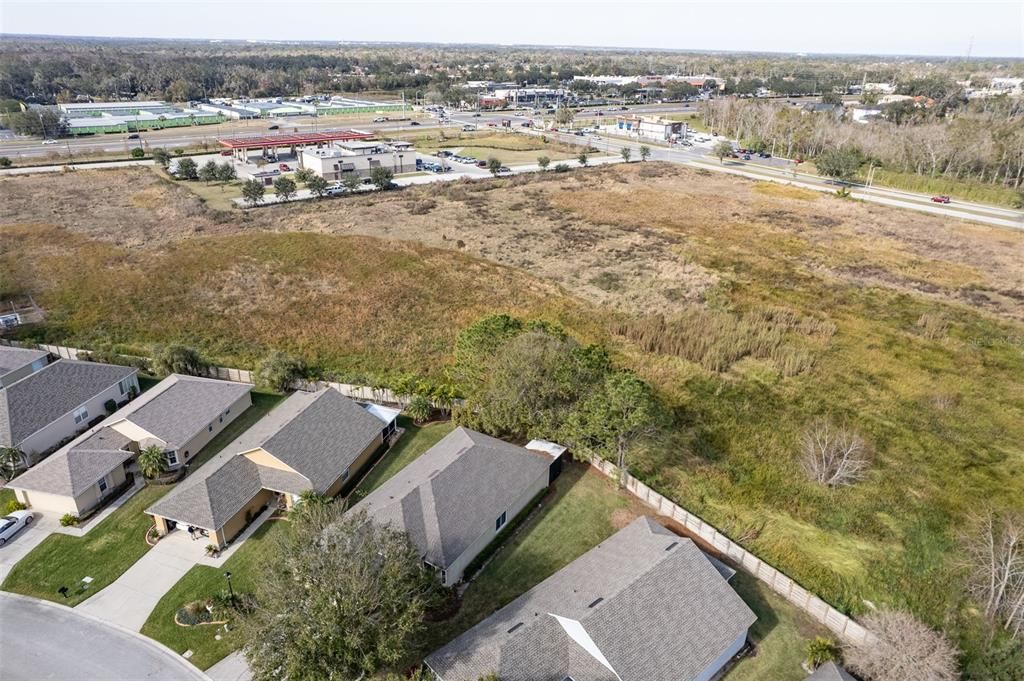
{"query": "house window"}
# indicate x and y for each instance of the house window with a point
(102, 484)
(227, 411)
(344, 476)
(210, 427)
(81, 414)
(220, 419)
(444, 577)
(172, 458)
(124, 385)
(500, 521)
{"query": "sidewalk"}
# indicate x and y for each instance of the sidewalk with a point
(129, 600)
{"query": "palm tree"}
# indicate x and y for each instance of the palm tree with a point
(152, 461)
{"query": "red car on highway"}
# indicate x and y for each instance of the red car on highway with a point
(940, 199)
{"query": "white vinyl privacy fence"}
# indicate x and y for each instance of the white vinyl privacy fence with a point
(842, 625)
(356, 392)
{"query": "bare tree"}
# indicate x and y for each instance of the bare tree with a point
(902, 649)
(833, 455)
(994, 553)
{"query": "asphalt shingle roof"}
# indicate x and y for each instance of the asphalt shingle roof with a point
(644, 605)
(37, 400)
(452, 494)
(12, 359)
(185, 406)
(189, 405)
(318, 435)
(71, 471)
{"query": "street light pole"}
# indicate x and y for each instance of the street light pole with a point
(231, 591)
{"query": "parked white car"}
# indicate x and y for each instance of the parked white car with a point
(11, 524)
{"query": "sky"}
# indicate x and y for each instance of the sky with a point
(994, 28)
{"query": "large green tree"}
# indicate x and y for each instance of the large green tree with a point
(252, 192)
(615, 419)
(340, 598)
(382, 177)
(839, 164)
(285, 187)
(178, 359)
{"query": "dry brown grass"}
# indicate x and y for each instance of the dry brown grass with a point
(639, 238)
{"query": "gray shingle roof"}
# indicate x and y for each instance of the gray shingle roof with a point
(12, 359)
(830, 671)
(193, 401)
(75, 469)
(37, 400)
(650, 602)
(185, 405)
(452, 494)
(317, 434)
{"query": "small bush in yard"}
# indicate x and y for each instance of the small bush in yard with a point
(68, 520)
(110, 406)
(138, 153)
(14, 505)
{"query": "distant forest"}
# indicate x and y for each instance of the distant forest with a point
(47, 70)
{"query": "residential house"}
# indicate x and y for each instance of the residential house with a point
(17, 363)
(319, 441)
(181, 414)
(644, 605)
(458, 495)
(51, 404)
(830, 671)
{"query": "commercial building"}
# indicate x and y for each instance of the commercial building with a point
(278, 107)
(115, 109)
(359, 157)
(645, 604)
(93, 118)
(649, 127)
(529, 96)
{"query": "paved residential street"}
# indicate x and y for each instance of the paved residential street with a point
(42, 641)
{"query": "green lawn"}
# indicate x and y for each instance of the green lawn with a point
(780, 635)
(104, 553)
(6, 497)
(202, 582)
(415, 441)
(110, 548)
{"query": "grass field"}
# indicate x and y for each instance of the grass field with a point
(907, 327)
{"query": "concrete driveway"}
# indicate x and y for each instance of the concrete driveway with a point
(18, 546)
(128, 601)
(45, 641)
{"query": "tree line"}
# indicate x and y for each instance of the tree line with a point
(983, 141)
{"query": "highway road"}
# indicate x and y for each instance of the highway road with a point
(41, 641)
(782, 170)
